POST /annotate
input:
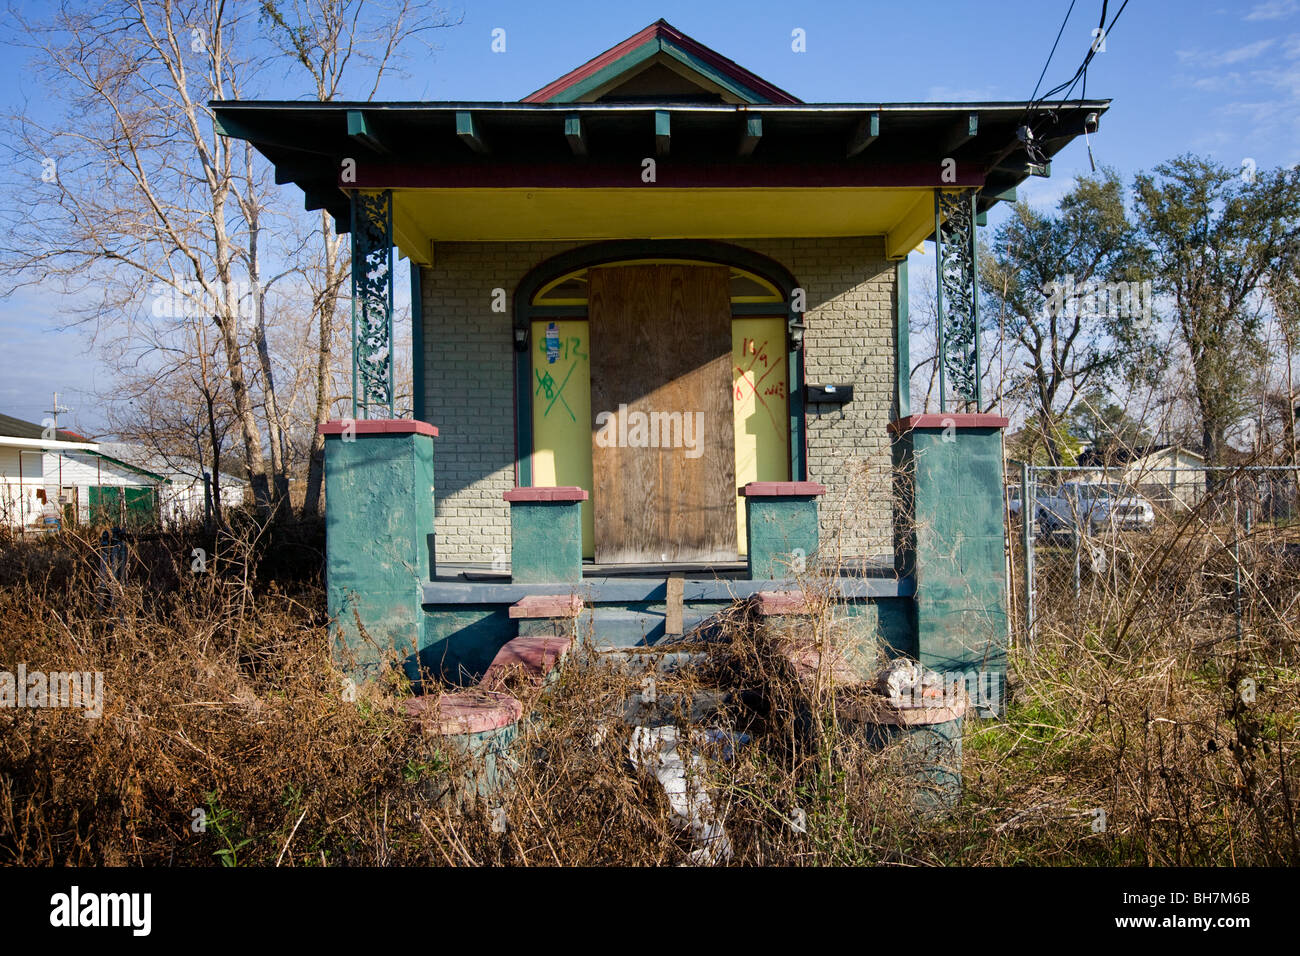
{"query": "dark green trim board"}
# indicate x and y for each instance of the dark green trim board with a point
(902, 348)
(523, 405)
(798, 438)
(616, 250)
(607, 73)
(716, 76)
(417, 345)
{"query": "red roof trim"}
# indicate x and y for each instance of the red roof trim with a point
(380, 426)
(663, 30)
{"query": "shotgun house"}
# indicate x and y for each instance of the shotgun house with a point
(660, 326)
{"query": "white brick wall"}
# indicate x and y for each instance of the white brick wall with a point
(469, 385)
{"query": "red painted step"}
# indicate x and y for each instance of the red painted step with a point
(769, 603)
(529, 659)
(546, 605)
(473, 711)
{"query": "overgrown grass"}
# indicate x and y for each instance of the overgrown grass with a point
(228, 737)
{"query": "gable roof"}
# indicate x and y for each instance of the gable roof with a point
(11, 427)
(660, 48)
(170, 468)
(1125, 455)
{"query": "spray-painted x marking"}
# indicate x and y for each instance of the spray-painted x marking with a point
(753, 386)
(546, 383)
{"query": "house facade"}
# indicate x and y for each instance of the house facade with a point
(660, 316)
(53, 477)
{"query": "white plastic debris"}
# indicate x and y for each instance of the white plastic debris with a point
(799, 820)
(500, 822)
(657, 750)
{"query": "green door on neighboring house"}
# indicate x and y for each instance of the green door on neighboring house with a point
(126, 506)
(105, 504)
(141, 506)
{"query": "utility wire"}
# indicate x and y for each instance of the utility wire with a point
(1033, 96)
(1080, 74)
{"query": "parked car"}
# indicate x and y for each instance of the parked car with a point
(1092, 507)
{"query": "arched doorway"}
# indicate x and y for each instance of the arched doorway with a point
(659, 377)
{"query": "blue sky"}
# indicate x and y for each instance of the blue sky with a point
(1215, 78)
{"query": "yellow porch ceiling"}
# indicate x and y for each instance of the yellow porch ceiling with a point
(421, 216)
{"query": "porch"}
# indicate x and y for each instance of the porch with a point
(660, 316)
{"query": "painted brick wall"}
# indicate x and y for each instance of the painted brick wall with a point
(850, 339)
(469, 385)
(469, 390)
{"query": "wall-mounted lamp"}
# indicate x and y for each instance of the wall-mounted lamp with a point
(796, 334)
(521, 339)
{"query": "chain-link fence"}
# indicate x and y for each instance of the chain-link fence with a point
(1096, 548)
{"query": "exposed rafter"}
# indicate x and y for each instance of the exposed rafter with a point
(750, 135)
(468, 130)
(864, 134)
(573, 133)
(663, 132)
(362, 130)
(962, 133)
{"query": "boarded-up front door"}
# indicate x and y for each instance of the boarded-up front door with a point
(663, 445)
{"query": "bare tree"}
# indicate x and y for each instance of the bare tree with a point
(324, 38)
(139, 195)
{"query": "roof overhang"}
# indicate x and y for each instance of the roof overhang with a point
(40, 444)
(494, 171)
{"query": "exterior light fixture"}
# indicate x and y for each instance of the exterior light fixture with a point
(796, 334)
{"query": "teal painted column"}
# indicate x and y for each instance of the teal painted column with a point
(948, 529)
(378, 538)
(780, 527)
(546, 535)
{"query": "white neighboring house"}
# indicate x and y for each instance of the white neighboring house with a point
(28, 491)
(48, 476)
(182, 497)
(1168, 475)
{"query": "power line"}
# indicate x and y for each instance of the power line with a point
(1059, 33)
(1030, 132)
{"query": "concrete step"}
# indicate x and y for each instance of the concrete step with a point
(643, 626)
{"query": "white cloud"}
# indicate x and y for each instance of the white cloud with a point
(1273, 10)
(1227, 57)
